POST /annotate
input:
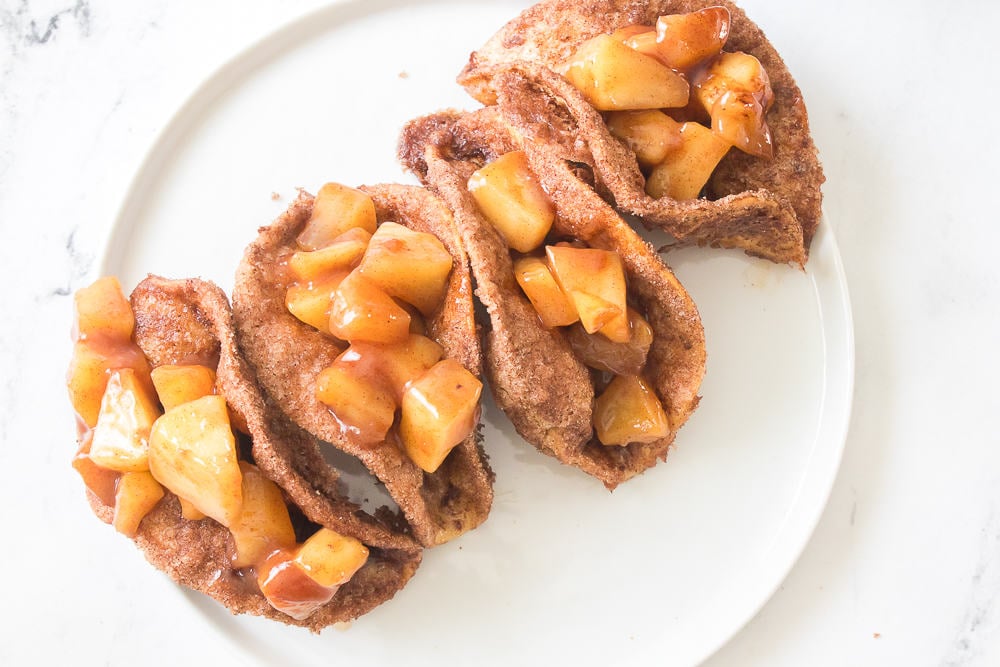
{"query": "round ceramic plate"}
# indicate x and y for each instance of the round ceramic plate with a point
(662, 571)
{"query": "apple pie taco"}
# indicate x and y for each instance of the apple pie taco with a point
(355, 309)
(180, 452)
(594, 350)
(680, 112)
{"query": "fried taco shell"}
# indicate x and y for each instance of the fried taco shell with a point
(543, 388)
(767, 207)
(289, 355)
(190, 322)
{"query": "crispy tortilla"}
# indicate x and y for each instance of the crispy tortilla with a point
(536, 379)
(189, 321)
(288, 355)
(768, 208)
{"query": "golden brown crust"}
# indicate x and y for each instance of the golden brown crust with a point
(769, 208)
(289, 355)
(189, 321)
(536, 380)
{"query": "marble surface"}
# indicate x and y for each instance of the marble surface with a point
(904, 566)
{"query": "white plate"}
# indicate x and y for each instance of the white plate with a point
(664, 570)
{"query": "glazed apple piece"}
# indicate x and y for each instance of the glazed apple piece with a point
(685, 171)
(599, 352)
(177, 384)
(89, 370)
(650, 134)
(342, 255)
(594, 281)
(629, 411)
(192, 452)
(329, 558)
(684, 40)
(337, 208)
(736, 92)
(409, 265)
(641, 38)
(362, 403)
(189, 511)
(439, 410)
(263, 524)
(612, 76)
(362, 310)
(121, 437)
(288, 588)
(551, 303)
(394, 365)
(102, 311)
(511, 198)
(136, 496)
(101, 481)
(310, 302)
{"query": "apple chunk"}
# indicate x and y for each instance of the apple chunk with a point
(392, 366)
(613, 76)
(336, 209)
(310, 302)
(289, 589)
(121, 437)
(684, 40)
(409, 265)
(100, 481)
(685, 171)
(179, 384)
(329, 558)
(594, 281)
(263, 524)
(736, 92)
(342, 255)
(136, 496)
(363, 405)
(599, 352)
(650, 134)
(439, 410)
(551, 303)
(513, 201)
(90, 368)
(103, 311)
(192, 452)
(362, 310)
(629, 411)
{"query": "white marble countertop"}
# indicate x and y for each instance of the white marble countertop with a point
(904, 566)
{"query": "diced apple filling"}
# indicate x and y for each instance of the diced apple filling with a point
(372, 286)
(579, 288)
(629, 411)
(180, 384)
(511, 198)
(299, 581)
(137, 494)
(121, 437)
(634, 67)
(553, 306)
(614, 77)
(409, 265)
(263, 524)
(337, 209)
(594, 281)
(192, 452)
(131, 451)
(439, 410)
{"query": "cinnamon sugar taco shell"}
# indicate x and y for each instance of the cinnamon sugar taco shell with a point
(767, 207)
(288, 356)
(190, 322)
(536, 379)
